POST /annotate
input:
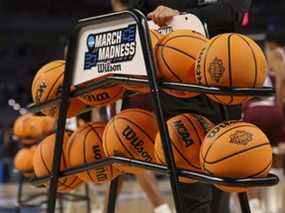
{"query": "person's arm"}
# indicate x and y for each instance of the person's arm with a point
(222, 15)
(276, 64)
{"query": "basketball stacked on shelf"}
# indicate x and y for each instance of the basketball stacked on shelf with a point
(23, 160)
(85, 146)
(47, 85)
(176, 55)
(43, 162)
(231, 60)
(236, 149)
(155, 37)
(131, 134)
(103, 96)
(186, 132)
(30, 127)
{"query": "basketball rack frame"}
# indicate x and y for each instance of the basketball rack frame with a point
(155, 86)
(29, 201)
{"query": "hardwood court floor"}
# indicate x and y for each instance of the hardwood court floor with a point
(131, 200)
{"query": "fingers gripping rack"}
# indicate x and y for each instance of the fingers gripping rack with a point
(84, 64)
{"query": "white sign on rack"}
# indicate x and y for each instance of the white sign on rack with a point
(108, 48)
(114, 46)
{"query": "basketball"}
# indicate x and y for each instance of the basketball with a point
(85, 146)
(231, 60)
(47, 85)
(236, 149)
(186, 132)
(176, 55)
(23, 160)
(155, 37)
(43, 161)
(29, 127)
(131, 134)
(103, 96)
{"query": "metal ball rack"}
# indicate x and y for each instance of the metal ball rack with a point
(39, 199)
(149, 70)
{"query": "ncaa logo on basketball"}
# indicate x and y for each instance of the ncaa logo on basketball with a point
(108, 50)
(241, 138)
(216, 69)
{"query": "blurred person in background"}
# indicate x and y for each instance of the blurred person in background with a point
(268, 114)
(221, 16)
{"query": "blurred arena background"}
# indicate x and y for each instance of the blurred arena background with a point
(36, 31)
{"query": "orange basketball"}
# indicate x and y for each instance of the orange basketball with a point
(231, 60)
(155, 37)
(30, 127)
(43, 160)
(236, 149)
(85, 146)
(103, 96)
(131, 134)
(186, 132)
(176, 55)
(23, 160)
(47, 85)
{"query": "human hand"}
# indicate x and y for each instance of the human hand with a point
(162, 14)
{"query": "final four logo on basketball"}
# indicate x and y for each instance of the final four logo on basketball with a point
(108, 50)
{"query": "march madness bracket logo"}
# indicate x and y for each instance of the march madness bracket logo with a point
(108, 49)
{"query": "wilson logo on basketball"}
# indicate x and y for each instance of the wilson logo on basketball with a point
(216, 69)
(198, 66)
(101, 171)
(137, 143)
(183, 132)
(241, 137)
(218, 128)
(97, 97)
(202, 122)
(40, 91)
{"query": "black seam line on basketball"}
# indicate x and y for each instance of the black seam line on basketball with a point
(61, 64)
(95, 131)
(71, 141)
(260, 172)
(181, 36)
(151, 139)
(155, 35)
(114, 97)
(97, 134)
(167, 66)
(33, 85)
(237, 153)
(84, 152)
(105, 147)
(72, 182)
(121, 142)
(140, 111)
(55, 82)
(182, 156)
(208, 150)
(230, 65)
(254, 58)
(180, 51)
(46, 167)
(158, 157)
(194, 127)
(206, 52)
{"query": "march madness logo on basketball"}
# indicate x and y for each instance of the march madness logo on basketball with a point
(108, 49)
